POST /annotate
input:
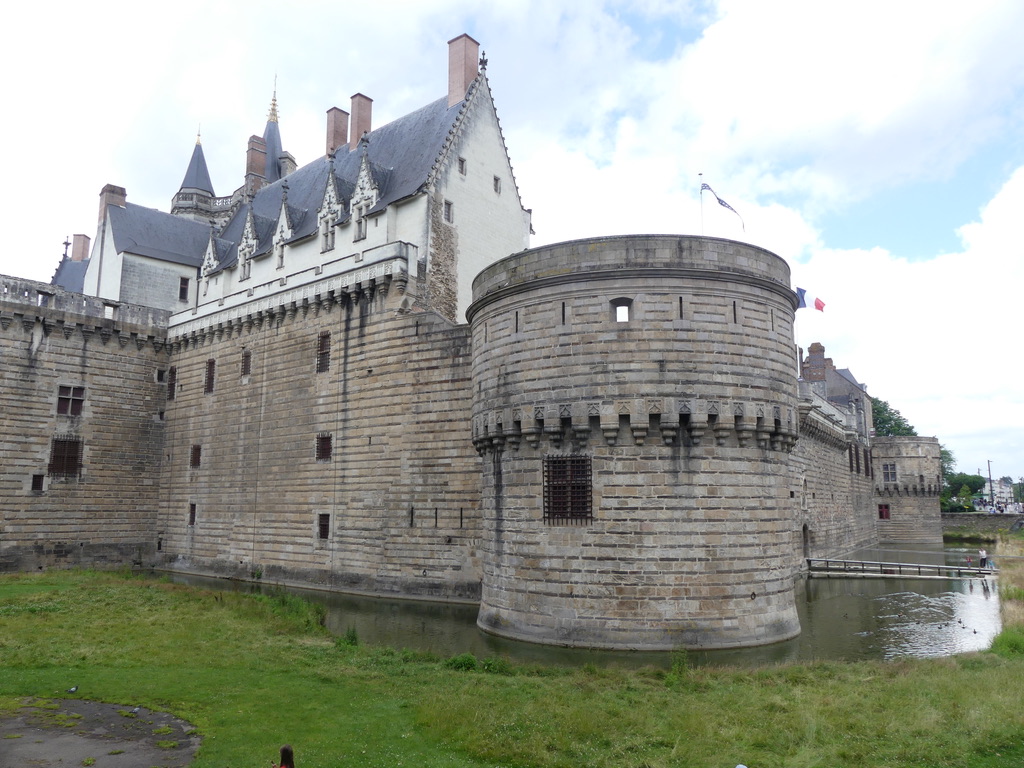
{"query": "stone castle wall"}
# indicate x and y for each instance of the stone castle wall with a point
(685, 413)
(908, 507)
(109, 358)
(392, 509)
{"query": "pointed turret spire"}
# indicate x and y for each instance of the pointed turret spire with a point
(197, 176)
(272, 136)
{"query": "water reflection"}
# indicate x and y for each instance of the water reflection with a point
(842, 620)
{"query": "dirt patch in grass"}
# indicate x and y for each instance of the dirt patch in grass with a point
(72, 732)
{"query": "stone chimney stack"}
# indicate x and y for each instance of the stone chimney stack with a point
(79, 247)
(255, 166)
(111, 195)
(337, 129)
(361, 109)
(816, 364)
(463, 55)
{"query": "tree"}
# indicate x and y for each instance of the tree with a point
(957, 481)
(948, 462)
(888, 421)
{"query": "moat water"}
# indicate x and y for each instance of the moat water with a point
(841, 619)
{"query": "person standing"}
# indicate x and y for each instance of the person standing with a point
(982, 558)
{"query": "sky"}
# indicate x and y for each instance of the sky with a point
(877, 146)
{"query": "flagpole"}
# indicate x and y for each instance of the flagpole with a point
(701, 177)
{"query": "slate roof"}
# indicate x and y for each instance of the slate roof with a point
(158, 235)
(198, 176)
(70, 275)
(401, 155)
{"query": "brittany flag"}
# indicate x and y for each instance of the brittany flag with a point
(809, 301)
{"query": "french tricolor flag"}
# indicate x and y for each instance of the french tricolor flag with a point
(806, 300)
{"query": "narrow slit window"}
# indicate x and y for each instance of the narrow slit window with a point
(172, 382)
(246, 362)
(449, 212)
(191, 514)
(195, 457)
(323, 352)
(211, 371)
(323, 525)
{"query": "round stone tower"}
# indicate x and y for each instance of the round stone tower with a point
(634, 403)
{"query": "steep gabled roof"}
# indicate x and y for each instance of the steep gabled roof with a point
(70, 275)
(401, 155)
(158, 235)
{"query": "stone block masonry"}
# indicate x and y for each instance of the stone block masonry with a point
(82, 396)
(666, 366)
(339, 460)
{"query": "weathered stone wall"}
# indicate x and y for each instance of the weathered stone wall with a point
(686, 410)
(832, 482)
(401, 486)
(912, 500)
(977, 522)
(106, 514)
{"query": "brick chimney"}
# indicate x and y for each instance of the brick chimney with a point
(337, 129)
(361, 109)
(255, 166)
(79, 247)
(815, 365)
(463, 55)
(111, 195)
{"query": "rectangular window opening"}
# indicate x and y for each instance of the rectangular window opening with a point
(497, 185)
(567, 490)
(324, 446)
(65, 457)
(195, 457)
(183, 286)
(191, 514)
(37, 483)
(323, 352)
(449, 212)
(70, 400)
(172, 382)
(323, 525)
(246, 362)
(211, 370)
(883, 512)
(462, 166)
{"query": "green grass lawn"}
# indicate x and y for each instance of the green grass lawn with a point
(253, 672)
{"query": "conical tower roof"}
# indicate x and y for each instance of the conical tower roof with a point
(198, 176)
(272, 136)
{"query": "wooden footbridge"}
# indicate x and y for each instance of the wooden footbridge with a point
(818, 567)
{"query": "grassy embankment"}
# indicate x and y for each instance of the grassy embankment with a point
(254, 672)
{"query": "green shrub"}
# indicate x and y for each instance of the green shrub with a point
(496, 665)
(1009, 642)
(464, 661)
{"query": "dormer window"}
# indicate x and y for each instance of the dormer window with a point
(327, 234)
(360, 233)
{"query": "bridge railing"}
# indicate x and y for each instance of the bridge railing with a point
(875, 568)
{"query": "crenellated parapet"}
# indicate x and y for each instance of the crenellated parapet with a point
(363, 290)
(38, 310)
(692, 422)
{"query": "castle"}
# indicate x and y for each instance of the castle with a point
(355, 375)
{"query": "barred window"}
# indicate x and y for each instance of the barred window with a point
(195, 457)
(70, 400)
(65, 456)
(567, 490)
(324, 446)
(246, 362)
(323, 525)
(323, 352)
(191, 514)
(172, 382)
(888, 473)
(211, 369)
